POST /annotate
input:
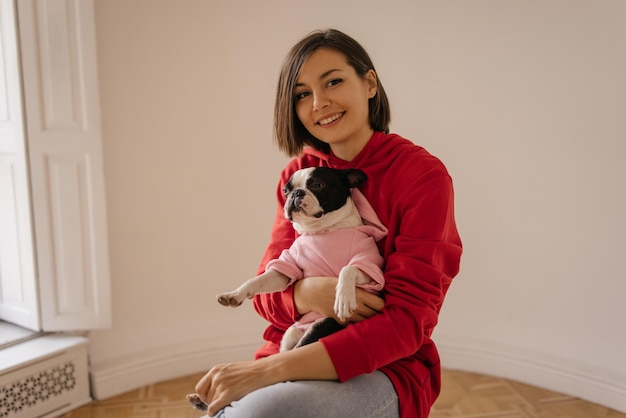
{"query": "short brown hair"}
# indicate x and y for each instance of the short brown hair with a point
(289, 133)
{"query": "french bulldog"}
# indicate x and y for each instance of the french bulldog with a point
(338, 231)
(320, 206)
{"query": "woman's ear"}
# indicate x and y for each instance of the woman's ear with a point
(372, 83)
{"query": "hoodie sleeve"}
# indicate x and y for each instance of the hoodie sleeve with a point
(422, 254)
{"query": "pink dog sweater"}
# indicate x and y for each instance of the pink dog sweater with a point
(325, 254)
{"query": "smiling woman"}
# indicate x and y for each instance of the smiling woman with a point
(331, 73)
(331, 111)
(332, 102)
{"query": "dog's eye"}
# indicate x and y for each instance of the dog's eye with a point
(317, 186)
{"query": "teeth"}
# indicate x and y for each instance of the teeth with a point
(330, 119)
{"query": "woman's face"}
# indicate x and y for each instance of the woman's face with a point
(331, 101)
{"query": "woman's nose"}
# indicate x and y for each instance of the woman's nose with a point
(320, 100)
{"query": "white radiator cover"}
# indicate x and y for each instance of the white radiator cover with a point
(44, 377)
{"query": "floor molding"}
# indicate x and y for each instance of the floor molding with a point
(538, 369)
(141, 369)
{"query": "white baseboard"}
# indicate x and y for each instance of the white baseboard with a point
(165, 363)
(558, 374)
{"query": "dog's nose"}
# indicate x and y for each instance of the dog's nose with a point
(298, 193)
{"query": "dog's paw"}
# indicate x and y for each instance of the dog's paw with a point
(345, 292)
(196, 402)
(230, 299)
(345, 303)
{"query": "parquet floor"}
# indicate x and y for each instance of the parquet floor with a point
(464, 395)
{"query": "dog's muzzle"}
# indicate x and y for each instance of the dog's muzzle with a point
(294, 202)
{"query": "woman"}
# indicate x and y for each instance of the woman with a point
(331, 110)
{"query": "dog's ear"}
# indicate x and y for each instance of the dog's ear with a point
(354, 177)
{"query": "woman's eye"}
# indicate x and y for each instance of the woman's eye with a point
(334, 82)
(301, 95)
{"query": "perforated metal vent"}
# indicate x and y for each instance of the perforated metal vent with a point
(29, 391)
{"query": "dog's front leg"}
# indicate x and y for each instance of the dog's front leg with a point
(268, 282)
(345, 292)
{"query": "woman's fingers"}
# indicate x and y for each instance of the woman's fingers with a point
(203, 387)
(219, 403)
(369, 300)
(368, 305)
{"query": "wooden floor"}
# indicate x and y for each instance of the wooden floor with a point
(464, 395)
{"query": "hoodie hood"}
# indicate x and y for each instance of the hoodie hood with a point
(379, 150)
(372, 225)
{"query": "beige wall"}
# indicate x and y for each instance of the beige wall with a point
(523, 100)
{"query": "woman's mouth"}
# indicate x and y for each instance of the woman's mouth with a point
(330, 119)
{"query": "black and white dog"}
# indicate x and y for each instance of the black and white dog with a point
(320, 206)
(338, 231)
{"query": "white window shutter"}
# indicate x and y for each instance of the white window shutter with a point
(18, 290)
(61, 101)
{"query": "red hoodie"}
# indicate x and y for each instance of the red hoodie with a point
(412, 194)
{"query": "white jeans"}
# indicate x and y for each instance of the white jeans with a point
(366, 396)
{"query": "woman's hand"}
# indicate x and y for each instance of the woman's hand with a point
(318, 294)
(226, 383)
